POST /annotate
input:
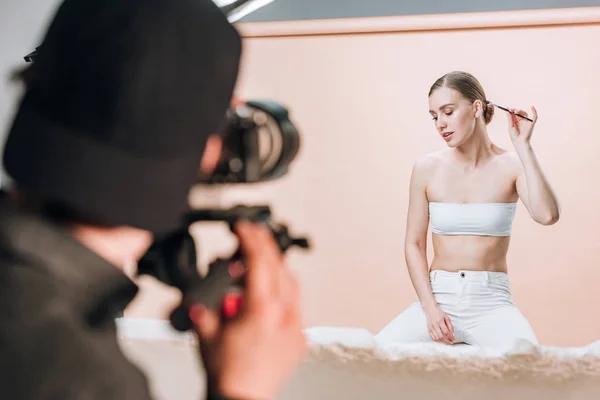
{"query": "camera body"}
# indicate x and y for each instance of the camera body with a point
(259, 143)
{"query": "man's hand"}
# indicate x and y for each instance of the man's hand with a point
(253, 355)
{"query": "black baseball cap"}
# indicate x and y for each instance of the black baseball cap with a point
(121, 100)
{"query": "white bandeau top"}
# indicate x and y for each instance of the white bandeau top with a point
(481, 219)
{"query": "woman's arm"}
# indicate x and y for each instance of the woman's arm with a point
(415, 251)
(534, 190)
(532, 186)
(415, 245)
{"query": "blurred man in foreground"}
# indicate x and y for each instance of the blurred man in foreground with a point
(120, 109)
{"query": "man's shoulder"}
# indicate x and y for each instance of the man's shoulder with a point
(44, 340)
(27, 293)
(20, 282)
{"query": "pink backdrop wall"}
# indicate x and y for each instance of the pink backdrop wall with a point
(358, 90)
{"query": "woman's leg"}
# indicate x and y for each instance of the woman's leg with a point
(408, 327)
(490, 317)
(411, 325)
(500, 328)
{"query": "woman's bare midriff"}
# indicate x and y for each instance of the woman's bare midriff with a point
(476, 253)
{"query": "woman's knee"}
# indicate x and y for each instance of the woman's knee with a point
(410, 326)
(501, 328)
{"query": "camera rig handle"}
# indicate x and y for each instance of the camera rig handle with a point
(223, 274)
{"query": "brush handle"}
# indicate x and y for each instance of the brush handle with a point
(513, 113)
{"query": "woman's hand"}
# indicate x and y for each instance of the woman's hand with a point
(520, 129)
(253, 355)
(439, 325)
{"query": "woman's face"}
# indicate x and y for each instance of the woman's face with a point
(454, 116)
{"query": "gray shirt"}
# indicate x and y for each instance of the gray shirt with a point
(58, 303)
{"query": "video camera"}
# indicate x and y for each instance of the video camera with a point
(259, 144)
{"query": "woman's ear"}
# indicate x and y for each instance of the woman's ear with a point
(479, 108)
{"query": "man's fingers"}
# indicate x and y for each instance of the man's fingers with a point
(263, 261)
(259, 277)
(290, 288)
(293, 287)
(252, 239)
(206, 322)
(258, 245)
(271, 288)
(291, 301)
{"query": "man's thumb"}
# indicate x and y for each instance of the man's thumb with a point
(206, 322)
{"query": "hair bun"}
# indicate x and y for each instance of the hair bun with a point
(488, 112)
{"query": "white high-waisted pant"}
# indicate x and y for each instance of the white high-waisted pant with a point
(479, 305)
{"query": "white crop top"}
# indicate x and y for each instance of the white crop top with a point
(481, 219)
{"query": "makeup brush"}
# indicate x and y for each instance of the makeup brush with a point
(508, 111)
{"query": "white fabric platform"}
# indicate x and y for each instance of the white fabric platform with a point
(350, 364)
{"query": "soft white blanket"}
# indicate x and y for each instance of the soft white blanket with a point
(350, 364)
